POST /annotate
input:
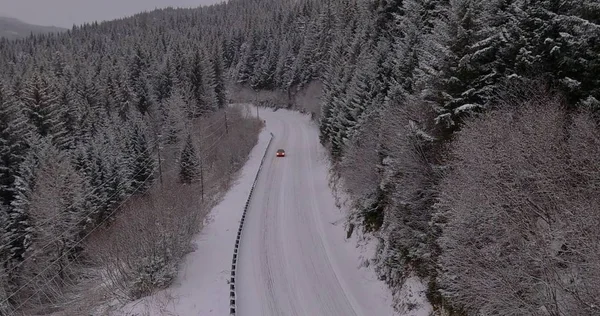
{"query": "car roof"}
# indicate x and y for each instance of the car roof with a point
(280, 150)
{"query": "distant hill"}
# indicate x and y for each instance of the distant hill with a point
(12, 28)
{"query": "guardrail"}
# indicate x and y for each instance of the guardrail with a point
(232, 290)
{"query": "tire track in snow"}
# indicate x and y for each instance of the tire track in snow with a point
(286, 269)
(319, 222)
(268, 215)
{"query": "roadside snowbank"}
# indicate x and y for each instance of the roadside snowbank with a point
(201, 287)
(411, 299)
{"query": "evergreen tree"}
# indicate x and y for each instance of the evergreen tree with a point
(284, 70)
(165, 81)
(189, 163)
(139, 80)
(347, 65)
(202, 85)
(561, 41)
(368, 88)
(264, 73)
(18, 228)
(88, 108)
(219, 72)
(332, 84)
(13, 146)
(56, 211)
(174, 117)
(43, 109)
(123, 98)
(467, 71)
(386, 13)
(247, 60)
(64, 138)
(142, 165)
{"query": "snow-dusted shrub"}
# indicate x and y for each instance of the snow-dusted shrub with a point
(409, 178)
(360, 171)
(308, 99)
(152, 273)
(267, 98)
(140, 251)
(391, 169)
(143, 245)
(522, 203)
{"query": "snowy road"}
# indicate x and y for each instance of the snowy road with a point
(293, 261)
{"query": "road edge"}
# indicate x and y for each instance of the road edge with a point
(232, 289)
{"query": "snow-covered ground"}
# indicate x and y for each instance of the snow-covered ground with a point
(202, 288)
(294, 258)
(412, 298)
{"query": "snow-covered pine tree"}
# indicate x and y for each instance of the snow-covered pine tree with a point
(13, 145)
(124, 97)
(561, 45)
(67, 139)
(41, 103)
(468, 73)
(210, 81)
(303, 68)
(325, 27)
(56, 212)
(19, 228)
(339, 116)
(404, 27)
(141, 160)
(264, 72)
(87, 105)
(106, 85)
(189, 163)
(180, 64)
(202, 84)
(89, 160)
(175, 117)
(139, 80)
(219, 73)
(58, 65)
(332, 84)
(284, 70)
(247, 59)
(315, 38)
(362, 91)
(164, 81)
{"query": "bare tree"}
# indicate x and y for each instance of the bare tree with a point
(360, 167)
(522, 236)
(139, 253)
(56, 211)
(409, 175)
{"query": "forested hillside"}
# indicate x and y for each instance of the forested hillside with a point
(465, 131)
(11, 28)
(93, 117)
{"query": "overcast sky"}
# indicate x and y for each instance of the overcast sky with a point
(65, 13)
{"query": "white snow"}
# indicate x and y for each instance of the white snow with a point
(294, 258)
(413, 299)
(466, 107)
(571, 83)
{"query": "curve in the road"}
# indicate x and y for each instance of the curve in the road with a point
(285, 267)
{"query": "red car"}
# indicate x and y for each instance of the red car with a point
(280, 153)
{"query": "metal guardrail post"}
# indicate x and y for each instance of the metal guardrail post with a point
(232, 289)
